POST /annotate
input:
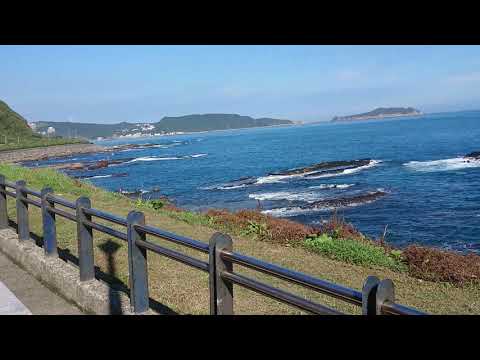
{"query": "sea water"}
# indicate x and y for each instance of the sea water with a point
(432, 193)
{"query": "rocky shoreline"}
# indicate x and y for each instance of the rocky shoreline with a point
(45, 153)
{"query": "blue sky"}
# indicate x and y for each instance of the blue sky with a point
(110, 84)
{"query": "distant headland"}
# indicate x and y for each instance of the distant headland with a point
(380, 113)
(166, 126)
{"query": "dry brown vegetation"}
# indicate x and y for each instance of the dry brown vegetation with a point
(438, 265)
(265, 227)
(423, 263)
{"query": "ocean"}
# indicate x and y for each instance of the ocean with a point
(427, 193)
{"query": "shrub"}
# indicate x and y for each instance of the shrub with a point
(438, 265)
(338, 228)
(354, 252)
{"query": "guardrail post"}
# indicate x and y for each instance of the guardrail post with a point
(369, 295)
(385, 292)
(23, 230)
(221, 291)
(49, 226)
(85, 241)
(3, 204)
(137, 264)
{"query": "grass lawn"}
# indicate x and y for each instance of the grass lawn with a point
(185, 290)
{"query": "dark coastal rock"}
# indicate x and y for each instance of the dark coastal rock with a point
(88, 165)
(99, 165)
(244, 181)
(326, 166)
(75, 166)
(474, 155)
(346, 201)
(106, 163)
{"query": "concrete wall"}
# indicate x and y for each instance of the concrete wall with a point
(92, 296)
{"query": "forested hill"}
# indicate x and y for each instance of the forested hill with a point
(188, 123)
(206, 122)
(85, 130)
(12, 125)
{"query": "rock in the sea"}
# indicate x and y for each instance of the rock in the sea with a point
(75, 166)
(474, 155)
(326, 166)
(99, 165)
(346, 201)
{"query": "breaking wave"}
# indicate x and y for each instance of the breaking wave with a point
(347, 171)
(160, 158)
(442, 165)
(99, 177)
(331, 186)
(152, 158)
(198, 155)
(308, 196)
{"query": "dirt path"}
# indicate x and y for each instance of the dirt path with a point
(48, 152)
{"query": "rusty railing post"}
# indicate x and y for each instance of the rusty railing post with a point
(369, 295)
(137, 264)
(49, 226)
(3, 204)
(221, 290)
(85, 240)
(23, 230)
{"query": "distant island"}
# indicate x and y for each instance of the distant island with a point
(380, 113)
(166, 126)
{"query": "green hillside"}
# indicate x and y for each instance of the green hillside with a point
(16, 134)
(12, 125)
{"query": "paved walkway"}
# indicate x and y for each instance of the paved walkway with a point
(36, 298)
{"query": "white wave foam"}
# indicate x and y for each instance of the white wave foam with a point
(279, 178)
(286, 195)
(331, 186)
(159, 158)
(294, 211)
(99, 177)
(442, 165)
(231, 187)
(198, 155)
(291, 211)
(223, 187)
(126, 192)
(152, 158)
(348, 171)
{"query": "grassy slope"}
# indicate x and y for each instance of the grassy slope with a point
(185, 290)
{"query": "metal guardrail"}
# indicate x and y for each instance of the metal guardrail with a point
(376, 298)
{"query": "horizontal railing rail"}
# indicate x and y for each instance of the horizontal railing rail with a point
(377, 297)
